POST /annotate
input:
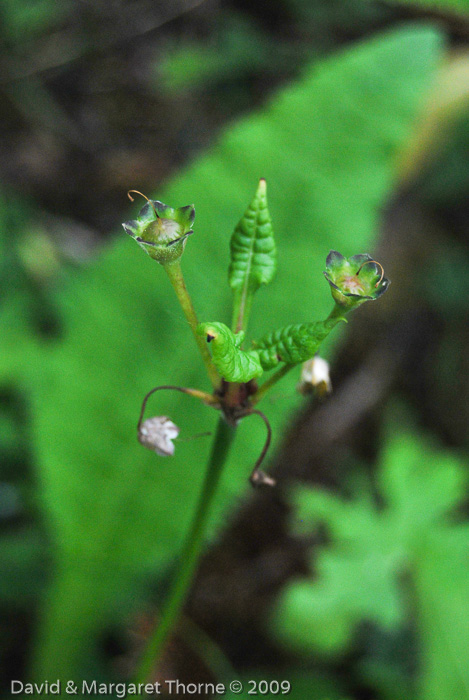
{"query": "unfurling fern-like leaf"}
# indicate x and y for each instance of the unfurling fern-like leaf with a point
(234, 364)
(293, 344)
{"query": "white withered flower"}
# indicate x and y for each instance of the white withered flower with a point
(315, 375)
(156, 434)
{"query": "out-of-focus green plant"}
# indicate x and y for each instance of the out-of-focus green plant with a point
(25, 20)
(240, 48)
(383, 562)
(327, 146)
(461, 6)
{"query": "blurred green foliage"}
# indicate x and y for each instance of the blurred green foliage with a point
(387, 564)
(28, 19)
(449, 5)
(229, 62)
(240, 48)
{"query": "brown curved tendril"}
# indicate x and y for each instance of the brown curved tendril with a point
(144, 197)
(206, 398)
(367, 262)
(258, 477)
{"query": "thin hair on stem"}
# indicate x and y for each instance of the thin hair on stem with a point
(132, 199)
(367, 262)
(206, 398)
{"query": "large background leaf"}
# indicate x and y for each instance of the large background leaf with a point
(116, 512)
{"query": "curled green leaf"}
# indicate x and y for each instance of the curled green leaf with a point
(234, 364)
(253, 255)
(293, 344)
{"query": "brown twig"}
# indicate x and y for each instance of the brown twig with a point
(258, 477)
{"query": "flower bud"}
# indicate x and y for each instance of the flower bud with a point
(354, 280)
(315, 375)
(156, 434)
(162, 231)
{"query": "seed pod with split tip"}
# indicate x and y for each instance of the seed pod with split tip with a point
(354, 280)
(157, 434)
(161, 230)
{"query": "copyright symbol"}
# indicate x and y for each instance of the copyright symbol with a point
(236, 687)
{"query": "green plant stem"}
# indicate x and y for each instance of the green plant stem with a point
(242, 304)
(176, 278)
(261, 392)
(337, 314)
(190, 554)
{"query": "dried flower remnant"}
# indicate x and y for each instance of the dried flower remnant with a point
(157, 434)
(260, 478)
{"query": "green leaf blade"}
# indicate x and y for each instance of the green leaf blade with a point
(293, 344)
(253, 255)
